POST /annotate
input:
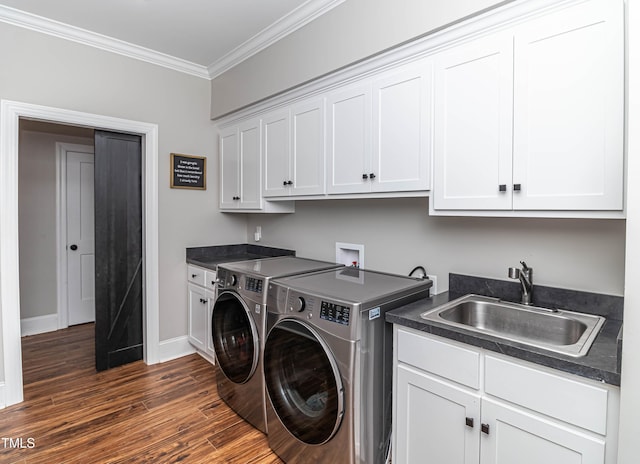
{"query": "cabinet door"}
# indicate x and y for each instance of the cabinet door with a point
(229, 168)
(198, 305)
(250, 187)
(518, 436)
(349, 140)
(275, 133)
(401, 129)
(307, 147)
(431, 421)
(569, 109)
(473, 125)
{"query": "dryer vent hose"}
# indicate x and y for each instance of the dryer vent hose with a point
(419, 268)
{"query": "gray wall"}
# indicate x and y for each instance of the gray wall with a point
(37, 215)
(40, 69)
(398, 235)
(350, 32)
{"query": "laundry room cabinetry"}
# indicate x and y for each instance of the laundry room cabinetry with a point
(452, 402)
(240, 147)
(530, 118)
(378, 132)
(293, 145)
(201, 289)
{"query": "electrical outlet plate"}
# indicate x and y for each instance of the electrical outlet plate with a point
(434, 289)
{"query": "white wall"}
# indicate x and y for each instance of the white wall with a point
(37, 223)
(629, 447)
(39, 69)
(350, 32)
(398, 235)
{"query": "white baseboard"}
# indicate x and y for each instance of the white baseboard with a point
(174, 348)
(38, 325)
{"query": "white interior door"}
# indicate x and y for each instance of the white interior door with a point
(80, 238)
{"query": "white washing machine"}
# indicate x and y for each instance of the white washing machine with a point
(328, 364)
(238, 326)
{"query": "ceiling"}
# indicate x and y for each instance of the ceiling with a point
(202, 37)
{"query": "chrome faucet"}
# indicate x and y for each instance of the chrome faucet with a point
(526, 280)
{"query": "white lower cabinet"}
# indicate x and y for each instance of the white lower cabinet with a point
(430, 426)
(523, 437)
(201, 289)
(453, 408)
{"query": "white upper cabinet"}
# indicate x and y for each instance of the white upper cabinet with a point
(229, 168)
(294, 158)
(401, 152)
(307, 164)
(568, 108)
(275, 133)
(349, 139)
(530, 119)
(378, 133)
(240, 166)
(472, 125)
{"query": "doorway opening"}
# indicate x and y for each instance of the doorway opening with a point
(11, 113)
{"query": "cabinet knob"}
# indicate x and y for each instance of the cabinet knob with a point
(203, 301)
(469, 421)
(365, 176)
(193, 276)
(485, 428)
(284, 182)
(372, 176)
(502, 188)
(517, 187)
(289, 182)
(73, 247)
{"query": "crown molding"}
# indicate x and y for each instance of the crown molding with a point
(288, 24)
(278, 30)
(65, 31)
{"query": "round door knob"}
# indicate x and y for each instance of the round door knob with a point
(74, 247)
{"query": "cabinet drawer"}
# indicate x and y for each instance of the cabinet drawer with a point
(450, 361)
(196, 275)
(210, 279)
(565, 399)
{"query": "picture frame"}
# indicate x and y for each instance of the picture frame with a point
(188, 172)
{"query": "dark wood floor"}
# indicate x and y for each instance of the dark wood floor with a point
(136, 413)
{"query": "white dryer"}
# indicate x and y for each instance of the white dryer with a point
(238, 326)
(328, 364)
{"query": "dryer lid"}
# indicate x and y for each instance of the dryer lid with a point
(354, 285)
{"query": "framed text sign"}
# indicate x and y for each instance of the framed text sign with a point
(188, 172)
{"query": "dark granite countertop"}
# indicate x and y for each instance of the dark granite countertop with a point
(209, 257)
(600, 363)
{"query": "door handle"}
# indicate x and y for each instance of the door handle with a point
(73, 247)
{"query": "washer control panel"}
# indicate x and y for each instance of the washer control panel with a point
(335, 313)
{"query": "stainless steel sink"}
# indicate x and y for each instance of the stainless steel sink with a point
(567, 332)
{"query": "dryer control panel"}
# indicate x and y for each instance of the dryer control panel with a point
(253, 285)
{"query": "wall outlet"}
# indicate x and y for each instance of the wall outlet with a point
(434, 289)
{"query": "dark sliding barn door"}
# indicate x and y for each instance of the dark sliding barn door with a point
(118, 249)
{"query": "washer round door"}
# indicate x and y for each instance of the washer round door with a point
(303, 382)
(235, 338)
